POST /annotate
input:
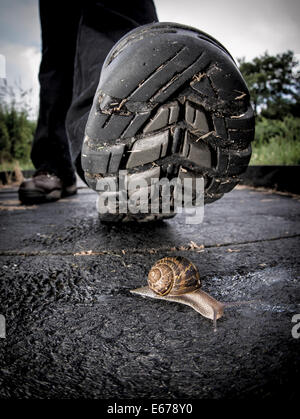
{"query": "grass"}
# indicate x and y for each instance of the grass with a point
(277, 142)
(276, 152)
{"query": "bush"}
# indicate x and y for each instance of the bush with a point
(16, 134)
(288, 128)
(277, 142)
(16, 127)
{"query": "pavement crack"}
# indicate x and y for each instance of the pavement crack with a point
(190, 247)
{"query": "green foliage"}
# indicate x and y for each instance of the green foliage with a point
(16, 129)
(277, 142)
(16, 134)
(4, 139)
(277, 151)
(274, 85)
(288, 128)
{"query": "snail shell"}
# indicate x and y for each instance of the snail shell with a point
(174, 276)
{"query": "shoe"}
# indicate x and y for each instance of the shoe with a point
(44, 187)
(171, 102)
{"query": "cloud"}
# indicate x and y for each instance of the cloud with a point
(244, 28)
(19, 22)
(20, 44)
(22, 64)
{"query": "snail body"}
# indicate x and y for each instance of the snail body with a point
(177, 279)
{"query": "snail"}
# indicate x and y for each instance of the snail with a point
(177, 279)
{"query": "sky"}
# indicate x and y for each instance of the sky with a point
(246, 28)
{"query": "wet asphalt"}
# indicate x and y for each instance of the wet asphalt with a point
(74, 330)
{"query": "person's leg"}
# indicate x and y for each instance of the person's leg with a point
(102, 24)
(50, 150)
(90, 28)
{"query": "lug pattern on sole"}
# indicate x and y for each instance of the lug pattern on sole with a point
(190, 114)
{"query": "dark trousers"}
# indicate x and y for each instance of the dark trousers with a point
(75, 42)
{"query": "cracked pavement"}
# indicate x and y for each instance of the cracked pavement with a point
(74, 330)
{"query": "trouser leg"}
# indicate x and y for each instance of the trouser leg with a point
(102, 24)
(59, 26)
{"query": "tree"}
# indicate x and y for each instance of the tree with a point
(274, 84)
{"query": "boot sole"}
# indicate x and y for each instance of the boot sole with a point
(181, 110)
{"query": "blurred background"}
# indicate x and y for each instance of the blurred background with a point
(262, 36)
